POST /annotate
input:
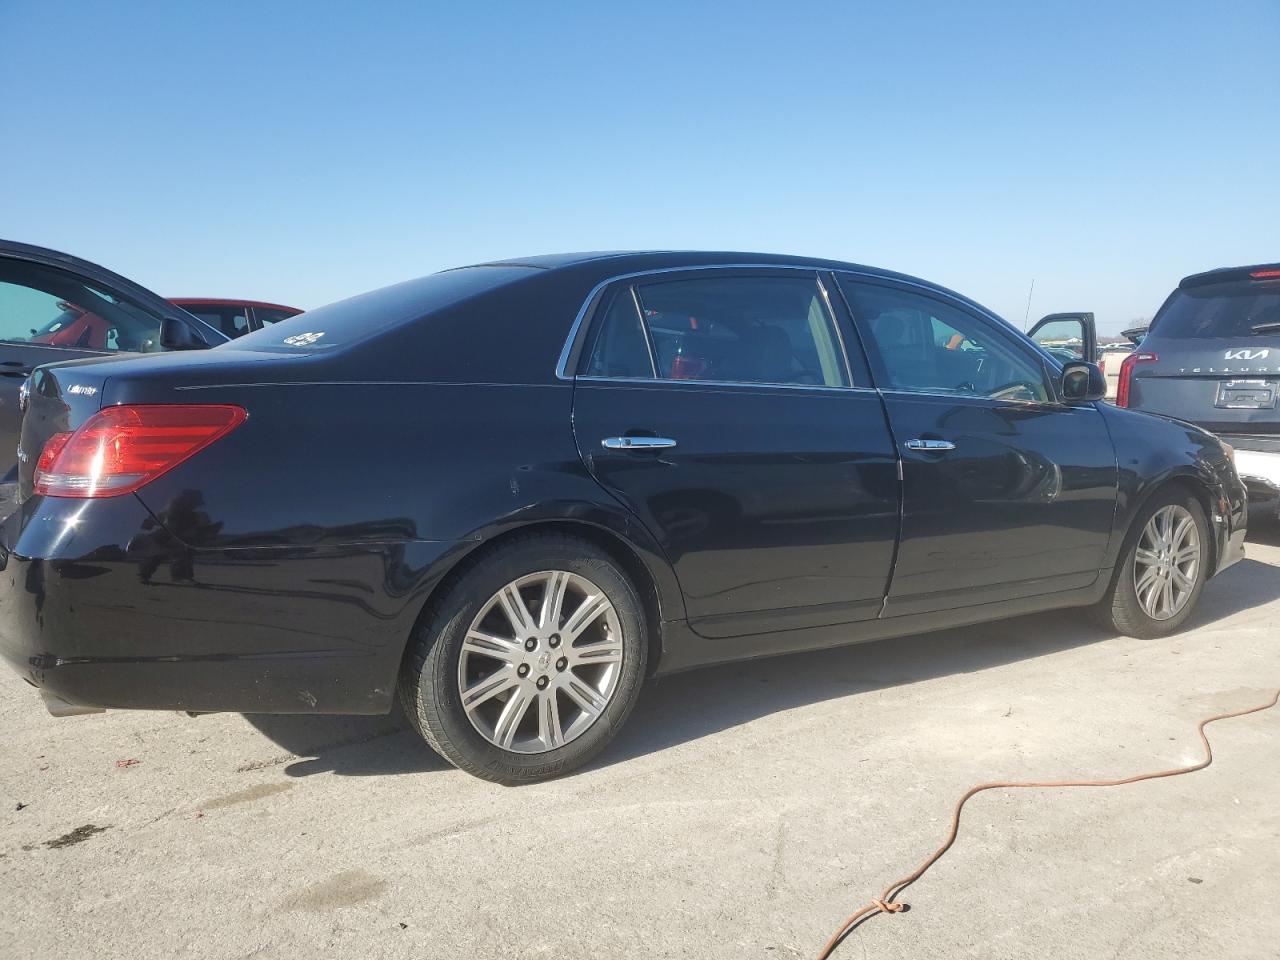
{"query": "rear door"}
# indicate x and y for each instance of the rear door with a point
(1007, 492)
(720, 406)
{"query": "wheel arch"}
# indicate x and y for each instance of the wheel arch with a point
(1192, 483)
(641, 561)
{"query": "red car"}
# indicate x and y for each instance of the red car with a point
(78, 327)
(235, 317)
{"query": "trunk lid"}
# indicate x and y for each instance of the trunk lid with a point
(62, 396)
(57, 400)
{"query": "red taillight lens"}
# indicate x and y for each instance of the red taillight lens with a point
(1126, 374)
(1265, 274)
(52, 447)
(119, 449)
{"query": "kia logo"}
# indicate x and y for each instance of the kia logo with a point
(1246, 354)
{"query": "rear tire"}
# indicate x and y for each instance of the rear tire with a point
(1161, 570)
(529, 662)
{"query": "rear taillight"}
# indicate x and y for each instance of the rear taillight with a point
(119, 449)
(1126, 374)
(1265, 274)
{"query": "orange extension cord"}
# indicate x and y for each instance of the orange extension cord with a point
(886, 902)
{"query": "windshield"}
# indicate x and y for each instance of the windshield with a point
(1220, 311)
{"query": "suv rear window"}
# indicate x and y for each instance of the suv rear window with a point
(1220, 311)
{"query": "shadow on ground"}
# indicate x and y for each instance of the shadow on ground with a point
(688, 706)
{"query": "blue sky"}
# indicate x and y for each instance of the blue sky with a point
(302, 152)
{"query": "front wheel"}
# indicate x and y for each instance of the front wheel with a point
(1162, 569)
(530, 661)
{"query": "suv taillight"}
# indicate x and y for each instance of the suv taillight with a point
(1126, 374)
(119, 449)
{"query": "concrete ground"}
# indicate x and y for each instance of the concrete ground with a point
(743, 812)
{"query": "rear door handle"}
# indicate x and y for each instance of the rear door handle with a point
(637, 443)
(933, 446)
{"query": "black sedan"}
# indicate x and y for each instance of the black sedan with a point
(508, 493)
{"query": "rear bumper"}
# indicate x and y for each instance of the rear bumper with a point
(1257, 462)
(101, 607)
(1260, 473)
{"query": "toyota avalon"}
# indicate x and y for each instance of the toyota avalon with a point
(507, 493)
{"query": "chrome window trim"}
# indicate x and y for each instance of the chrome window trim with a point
(1051, 404)
(589, 305)
(753, 384)
(644, 329)
(834, 318)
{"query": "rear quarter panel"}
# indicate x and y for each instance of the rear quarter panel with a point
(372, 492)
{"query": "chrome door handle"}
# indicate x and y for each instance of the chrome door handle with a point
(637, 443)
(930, 445)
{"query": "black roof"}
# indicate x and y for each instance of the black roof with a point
(596, 267)
(644, 259)
(1222, 274)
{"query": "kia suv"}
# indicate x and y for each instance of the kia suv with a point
(1212, 357)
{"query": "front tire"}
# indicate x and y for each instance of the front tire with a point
(1162, 569)
(529, 661)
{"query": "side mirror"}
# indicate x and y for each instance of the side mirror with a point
(1083, 382)
(177, 334)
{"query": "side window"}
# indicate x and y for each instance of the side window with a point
(269, 315)
(923, 345)
(233, 321)
(44, 306)
(619, 348)
(743, 330)
(1062, 338)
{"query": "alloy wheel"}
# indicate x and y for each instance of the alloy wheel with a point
(1167, 562)
(540, 662)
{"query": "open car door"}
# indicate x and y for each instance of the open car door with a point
(1068, 336)
(55, 307)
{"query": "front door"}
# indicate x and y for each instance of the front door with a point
(1007, 491)
(720, 407)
